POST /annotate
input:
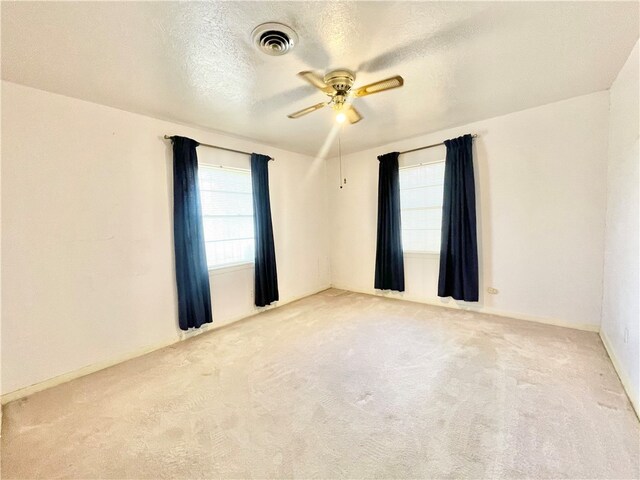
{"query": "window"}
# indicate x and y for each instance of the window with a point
(227, 215)
(421, 192)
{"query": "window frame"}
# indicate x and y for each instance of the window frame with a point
(420, 253)
(231, 266)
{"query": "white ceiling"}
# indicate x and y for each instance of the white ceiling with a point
(194, 63)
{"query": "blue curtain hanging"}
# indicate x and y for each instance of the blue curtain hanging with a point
(459, 247)
(266, 275)
(192, 275)
(389, 273)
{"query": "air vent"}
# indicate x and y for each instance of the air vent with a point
(274, 38)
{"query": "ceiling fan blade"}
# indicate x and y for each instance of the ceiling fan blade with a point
(381, 86)
(316, 81)
(353, 115)
(307, 110)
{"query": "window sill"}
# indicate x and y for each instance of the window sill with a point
(231, 267)
(421, 254)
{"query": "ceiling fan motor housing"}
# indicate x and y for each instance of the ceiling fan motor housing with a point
(340, 80)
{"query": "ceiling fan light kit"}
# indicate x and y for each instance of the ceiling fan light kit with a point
(338, 85)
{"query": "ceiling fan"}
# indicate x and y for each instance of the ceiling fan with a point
(338, 84)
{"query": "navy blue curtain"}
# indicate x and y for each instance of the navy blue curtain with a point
(389, 260)
(266, 275)
(459, 247)
(192, 275)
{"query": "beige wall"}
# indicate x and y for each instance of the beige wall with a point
(87, 262)
(620, 311)
(541, 209)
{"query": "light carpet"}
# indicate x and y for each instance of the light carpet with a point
(340, 385)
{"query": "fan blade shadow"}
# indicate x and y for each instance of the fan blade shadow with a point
(285, 99)
(313, 53)
(457, 33)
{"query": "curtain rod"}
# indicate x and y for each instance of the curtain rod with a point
(475, 135)
(168, 137)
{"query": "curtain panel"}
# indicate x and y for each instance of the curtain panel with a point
(389, 273)
(192, 274)
(266, 275)
(458, 276)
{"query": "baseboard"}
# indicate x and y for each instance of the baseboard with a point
(624, 378)
(81, 372)
(490, 311)
(256, 310)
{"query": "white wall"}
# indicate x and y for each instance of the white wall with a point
(87, 259)
(620, 311)
(541, 210)
(87, 263)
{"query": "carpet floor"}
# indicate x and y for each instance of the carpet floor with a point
(340, 385)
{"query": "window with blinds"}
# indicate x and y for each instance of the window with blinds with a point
(227, 214)
(421, 192)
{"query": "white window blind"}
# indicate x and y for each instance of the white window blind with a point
(227, 214)
(421, 192)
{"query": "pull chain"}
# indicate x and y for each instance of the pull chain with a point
(340, 155)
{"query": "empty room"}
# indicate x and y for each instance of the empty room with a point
(336, 240)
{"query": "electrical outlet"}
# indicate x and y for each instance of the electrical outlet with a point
(492, 291)
(626, 334)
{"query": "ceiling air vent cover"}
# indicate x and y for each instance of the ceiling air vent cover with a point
(274, 38)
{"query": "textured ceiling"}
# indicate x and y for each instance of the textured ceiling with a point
(193, 62)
